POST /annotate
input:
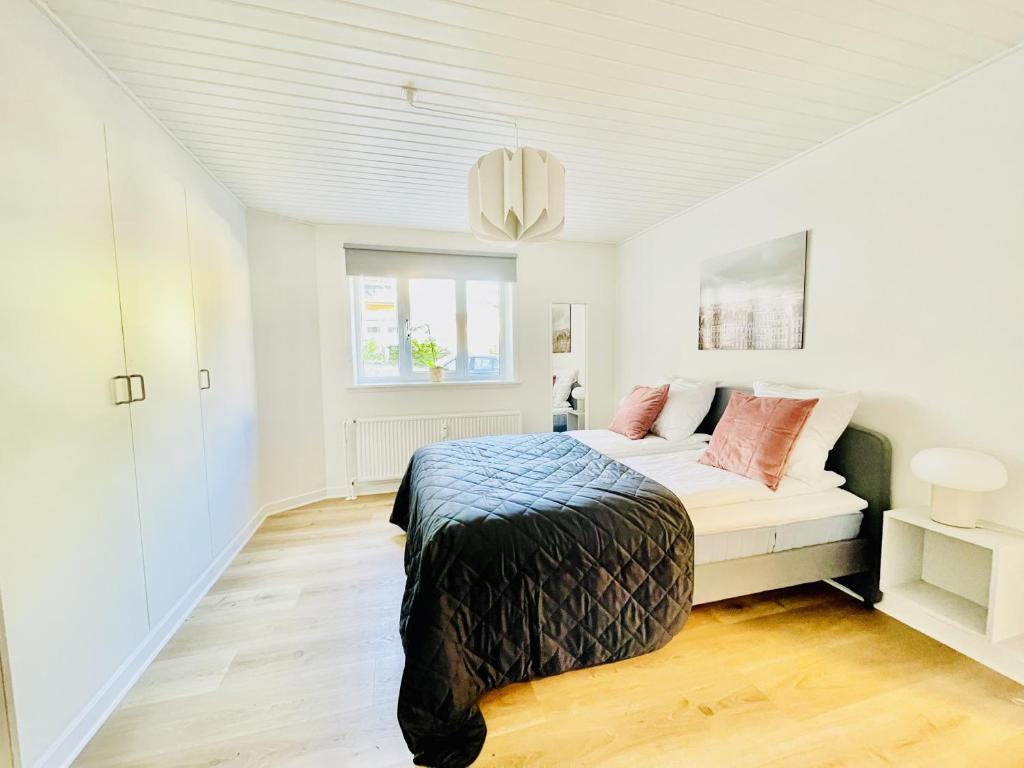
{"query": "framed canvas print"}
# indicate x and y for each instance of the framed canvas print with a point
(561, 328)
(754, 298)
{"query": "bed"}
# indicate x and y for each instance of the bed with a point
(530, 555)
(738, 522)
(863, 457)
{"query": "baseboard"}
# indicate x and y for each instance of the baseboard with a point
(324, 494)
(310, 497)
(382, 486)
(77, 735)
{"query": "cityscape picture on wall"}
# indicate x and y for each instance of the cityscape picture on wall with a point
(754, 298)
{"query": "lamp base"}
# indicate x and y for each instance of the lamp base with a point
(956, 508)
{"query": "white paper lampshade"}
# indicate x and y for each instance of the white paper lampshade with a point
(959, 478)
(517, 196)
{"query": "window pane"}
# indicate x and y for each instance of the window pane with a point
(483, 327)
(378, 337)
(432, 333)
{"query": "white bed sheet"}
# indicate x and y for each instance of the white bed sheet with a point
(619, 446)
(698, 485)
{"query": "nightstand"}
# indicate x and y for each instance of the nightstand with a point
(580, 413)
(962, 586)
(575, 419)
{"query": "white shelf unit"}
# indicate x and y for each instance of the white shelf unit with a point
(962, 586)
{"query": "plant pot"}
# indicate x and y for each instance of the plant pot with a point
(437, 375)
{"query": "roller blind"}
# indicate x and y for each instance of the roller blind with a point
(375, 261)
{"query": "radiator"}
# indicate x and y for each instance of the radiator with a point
(379, 448)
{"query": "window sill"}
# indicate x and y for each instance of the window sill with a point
(398, 386)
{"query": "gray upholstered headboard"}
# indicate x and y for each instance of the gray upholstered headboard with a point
(864, 458)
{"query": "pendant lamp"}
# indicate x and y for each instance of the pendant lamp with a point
(514, 195)
(517, 196)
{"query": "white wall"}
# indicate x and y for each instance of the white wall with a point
(287, 329)
(914, 282)
(570, 272)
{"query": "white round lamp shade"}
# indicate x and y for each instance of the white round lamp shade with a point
(960, 469)
(959, 478)
(517, 196)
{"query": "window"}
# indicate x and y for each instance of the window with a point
(431, 330)
(425, 309)
(378, 334)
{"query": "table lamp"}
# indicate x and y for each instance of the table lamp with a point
(959, 479)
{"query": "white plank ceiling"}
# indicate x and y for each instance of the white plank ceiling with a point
(652, 105)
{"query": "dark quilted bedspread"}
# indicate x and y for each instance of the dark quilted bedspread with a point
(527, 555)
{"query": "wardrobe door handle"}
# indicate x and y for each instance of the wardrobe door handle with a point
(131, 390)
(128, 387)
(207, 372)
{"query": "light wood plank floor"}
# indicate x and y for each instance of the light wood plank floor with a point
(294, 660)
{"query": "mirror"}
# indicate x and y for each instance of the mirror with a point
(568, 366)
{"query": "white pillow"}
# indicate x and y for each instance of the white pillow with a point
(830, 417)
(687, 404)
(564, 379)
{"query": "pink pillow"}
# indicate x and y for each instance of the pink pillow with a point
(639, 411)
(756, 435)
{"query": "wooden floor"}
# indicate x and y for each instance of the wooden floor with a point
(294, 660)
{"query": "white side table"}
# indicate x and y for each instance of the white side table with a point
(574, 420)
(962, 586)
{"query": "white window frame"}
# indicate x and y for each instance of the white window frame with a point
(461, 374)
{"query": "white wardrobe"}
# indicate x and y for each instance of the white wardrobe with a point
(127, 458)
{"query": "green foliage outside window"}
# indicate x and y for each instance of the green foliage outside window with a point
(425, 354)
(374, 353)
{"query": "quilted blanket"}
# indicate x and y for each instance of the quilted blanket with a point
(526, 556)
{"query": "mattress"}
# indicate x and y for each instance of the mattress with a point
(732, 531)
(617, 446)
(733, 545)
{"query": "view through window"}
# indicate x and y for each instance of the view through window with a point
(405, 326)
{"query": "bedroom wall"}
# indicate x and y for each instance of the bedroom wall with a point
(286, 324)
(914, 276)
(292, 349)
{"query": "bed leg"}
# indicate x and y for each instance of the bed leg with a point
(873, 596)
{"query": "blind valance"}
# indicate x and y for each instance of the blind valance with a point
(376, 261)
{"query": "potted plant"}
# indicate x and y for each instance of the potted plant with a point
(426, 353)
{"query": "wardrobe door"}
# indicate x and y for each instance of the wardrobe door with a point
(220, 273)
(151, 241)
(71, 570)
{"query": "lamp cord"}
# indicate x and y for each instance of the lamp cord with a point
(410, 97)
